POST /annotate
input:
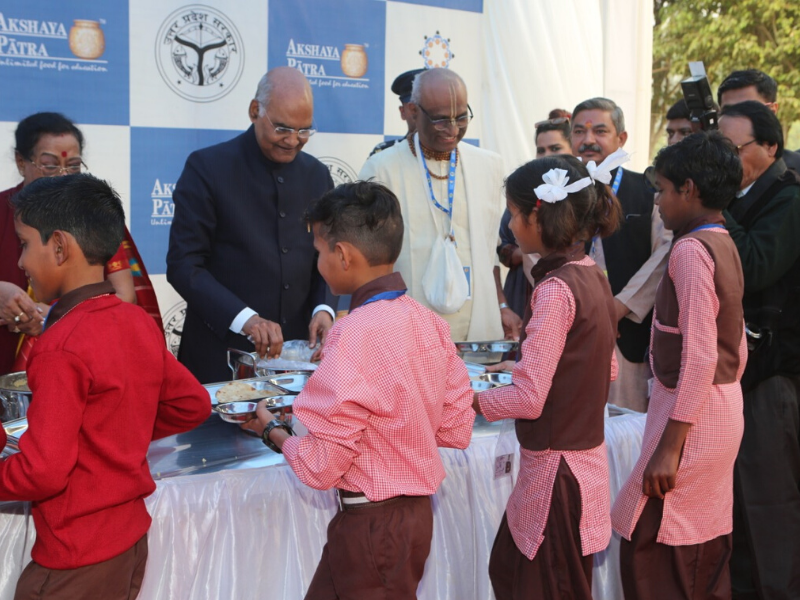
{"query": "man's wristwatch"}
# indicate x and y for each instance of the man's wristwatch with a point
(270, 426)
(503, 305)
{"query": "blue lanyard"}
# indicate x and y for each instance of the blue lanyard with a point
(617, 181)
(385, 296)
(451, 187)
(596, 239)
(47, 316)
(709, 226)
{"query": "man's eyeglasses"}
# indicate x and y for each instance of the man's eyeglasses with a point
(556, 121)
(740, 146)
(280, 130)
(443, 124)
(55, 170)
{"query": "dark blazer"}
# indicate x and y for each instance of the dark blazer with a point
(625, 253)
(239, 239)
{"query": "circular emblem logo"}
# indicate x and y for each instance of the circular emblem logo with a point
(436, 52)
(199, 53)
(173, 326)
(340, 170)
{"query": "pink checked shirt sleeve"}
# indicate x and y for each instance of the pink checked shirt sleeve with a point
(553, 312)
(379, 406)
(691, 269)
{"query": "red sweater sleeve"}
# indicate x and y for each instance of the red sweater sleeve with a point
(184, 403)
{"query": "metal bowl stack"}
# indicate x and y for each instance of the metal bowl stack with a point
(15, 396)
(485, 353)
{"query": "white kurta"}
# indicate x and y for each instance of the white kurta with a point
(477, 208)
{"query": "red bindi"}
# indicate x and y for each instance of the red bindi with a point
(63, 154)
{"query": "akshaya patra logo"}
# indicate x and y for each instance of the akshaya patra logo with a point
(199, 53)
(163, 207)
(52, 45)
(322, 64)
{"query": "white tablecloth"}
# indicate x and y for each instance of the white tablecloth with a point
(258, 533)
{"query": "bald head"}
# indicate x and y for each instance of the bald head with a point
(433, 79)
(438, 99)
(283, 103)
(286, 83)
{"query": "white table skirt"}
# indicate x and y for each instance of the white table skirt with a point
(258, 533)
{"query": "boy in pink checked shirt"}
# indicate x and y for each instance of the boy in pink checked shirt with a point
(390, 390)
(675, 512)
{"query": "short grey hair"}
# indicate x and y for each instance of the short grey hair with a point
(419, 81)
(263, 92)
(617, 118)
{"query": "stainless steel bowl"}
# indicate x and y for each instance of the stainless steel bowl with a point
(487, 347)
(486, 352)
(15, 396)
(478, 385)
(236, 412)
(500, 378)
(244, 410)
(293, 381)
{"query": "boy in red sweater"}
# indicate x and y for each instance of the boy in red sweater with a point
(104, 385)
(390, 390)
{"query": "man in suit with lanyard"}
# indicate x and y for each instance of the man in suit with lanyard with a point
(239, 251)
(634, 258)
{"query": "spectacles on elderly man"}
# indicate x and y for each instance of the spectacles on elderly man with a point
(442, 124)
(51, 170)
(283, 131)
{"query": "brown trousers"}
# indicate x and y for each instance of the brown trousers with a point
(118, 578)
(375, 552)
(559, 571)
(654, 571)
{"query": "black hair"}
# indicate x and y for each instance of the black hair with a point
(365, 214)
(766, 126)
(710, 160)
(86, 207)
(679, 110)
(766, 86)
(594, 210)
(31, 129)
(558, 120)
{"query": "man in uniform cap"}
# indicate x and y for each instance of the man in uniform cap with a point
(402, 87)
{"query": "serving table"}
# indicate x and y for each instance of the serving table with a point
(230, 519)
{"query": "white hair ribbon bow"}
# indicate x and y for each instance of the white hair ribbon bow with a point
(555, 188)
(602, 172)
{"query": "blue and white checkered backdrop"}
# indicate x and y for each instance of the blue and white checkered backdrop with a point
(149, 81)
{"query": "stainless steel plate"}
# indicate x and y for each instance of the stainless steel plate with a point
(293, 381)
(500, 378)
(261, 384)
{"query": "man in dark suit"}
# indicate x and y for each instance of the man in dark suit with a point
(240, 252)
(752, 84)
(634, 258)
(763, 221)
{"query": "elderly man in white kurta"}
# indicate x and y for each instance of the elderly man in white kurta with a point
(453, 192)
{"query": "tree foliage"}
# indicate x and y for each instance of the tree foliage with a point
(726, 35)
